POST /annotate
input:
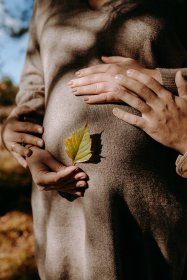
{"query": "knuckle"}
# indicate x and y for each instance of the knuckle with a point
(113, 69)
(163, 107)
(169, 97)
(106, 98)
(97, 88)
(119, 95)
(139, 104)
(87, 81)
(142, 88)
(129, 60)
(22, 139)
(26, 127)
(116, 89)
(135, 121)
(147, 80)
(34, 140)
(149, 95)
(37, 180)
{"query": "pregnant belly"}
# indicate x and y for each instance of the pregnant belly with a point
(126, 160)
(117, 146)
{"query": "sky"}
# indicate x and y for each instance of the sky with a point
(13, 15)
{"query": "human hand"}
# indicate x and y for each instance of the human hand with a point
(16, 134)
(51, 175)
(164, 115)
(97, 83)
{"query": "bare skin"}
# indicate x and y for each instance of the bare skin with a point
(17, 134)
(96, 4)
(97, 83)
(51, 175)
(47, 172)
(164, 116)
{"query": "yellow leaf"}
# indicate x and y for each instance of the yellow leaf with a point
(78, 145)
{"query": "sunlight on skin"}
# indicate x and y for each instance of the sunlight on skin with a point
(96, 4)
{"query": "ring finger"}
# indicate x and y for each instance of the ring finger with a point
(28, 139)
(71, 186)
(134, 101)
(19, 149)
(141, 90)
(96, 88)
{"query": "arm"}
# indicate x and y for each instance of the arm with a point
(97, 83)
(30, 102)
(163, 115)
(47, 172)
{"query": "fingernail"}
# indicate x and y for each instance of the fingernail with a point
(40, 143)
(12, 147)
(81, 185)
(119, 77)
(40, 129)
(70, 83)
(77, 73)
(115, 111)
(130, 72)
(74, 90)
(86, 99)
(83, 177)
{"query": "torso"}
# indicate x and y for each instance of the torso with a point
(131, 170)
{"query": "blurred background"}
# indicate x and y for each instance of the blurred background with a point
(16, 233)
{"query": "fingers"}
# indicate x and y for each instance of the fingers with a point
(64, 177)
(137, 87)
(24, 138)
(94, 89)
(26, 127)
(101, 68)
(71, 172)
(98, 99)
(147, 83)
(134, 102)
(52, 163)
(21, 160)
(19, 149)
(76, 186)
(129, 118)
(23, 110)
(89, 79)
(93, 85)
(115, 59)
(17, 133)
(181, 84)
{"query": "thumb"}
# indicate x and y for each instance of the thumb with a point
(112, 59)
(181, 84)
